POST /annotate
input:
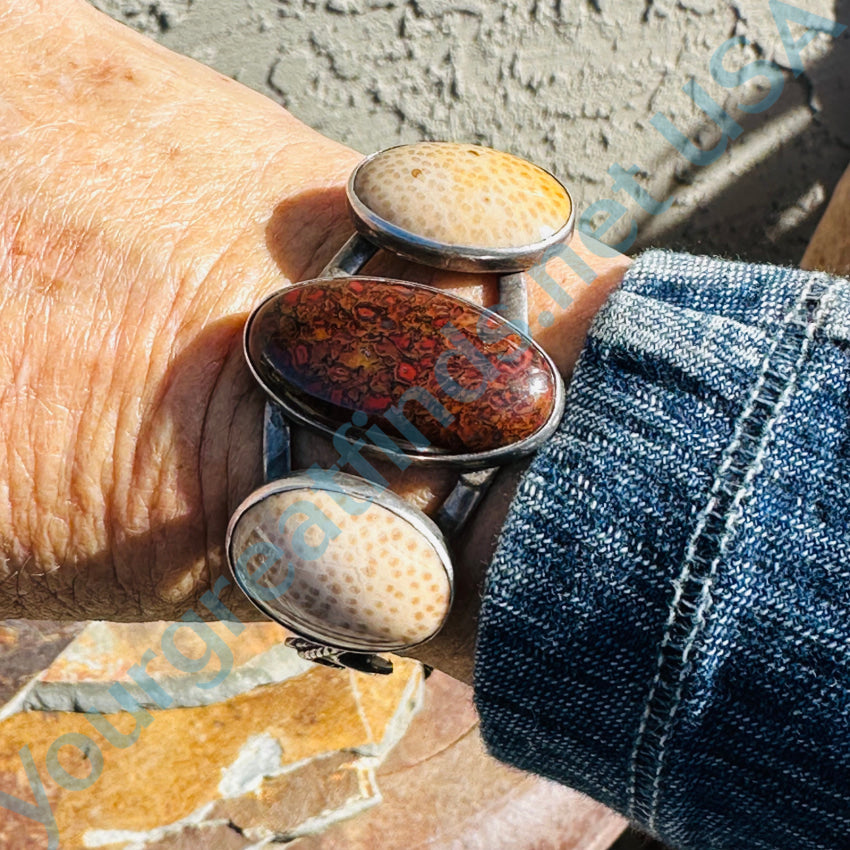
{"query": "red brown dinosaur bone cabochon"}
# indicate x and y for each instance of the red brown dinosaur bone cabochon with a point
(435, 373)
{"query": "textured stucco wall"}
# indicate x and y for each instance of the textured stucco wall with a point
(571, 85)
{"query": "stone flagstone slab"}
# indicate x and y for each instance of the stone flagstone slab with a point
(285, 758)
(83, 674)
(321, 759)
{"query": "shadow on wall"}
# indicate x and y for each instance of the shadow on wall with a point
(794, 154)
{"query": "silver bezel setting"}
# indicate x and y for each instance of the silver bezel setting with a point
(462, 258)
(420, 455)
(357, 488)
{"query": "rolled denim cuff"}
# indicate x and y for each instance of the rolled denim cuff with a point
(666, 621)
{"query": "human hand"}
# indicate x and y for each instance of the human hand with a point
(147, 204)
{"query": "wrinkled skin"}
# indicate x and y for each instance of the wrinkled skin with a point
(146, 203)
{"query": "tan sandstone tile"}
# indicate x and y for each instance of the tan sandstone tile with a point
(177, 763)
(311, 796)
(387, 706)
(217, 837)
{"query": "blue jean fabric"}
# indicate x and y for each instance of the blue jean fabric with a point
(666, 622)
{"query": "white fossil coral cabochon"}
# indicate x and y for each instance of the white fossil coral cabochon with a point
(464, 195)
(345, 571)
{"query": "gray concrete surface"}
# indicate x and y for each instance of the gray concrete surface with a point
(571, 84)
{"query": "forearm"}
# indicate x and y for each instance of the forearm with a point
(147, 204)
(139, 221)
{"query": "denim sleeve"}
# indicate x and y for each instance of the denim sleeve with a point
(666, 622)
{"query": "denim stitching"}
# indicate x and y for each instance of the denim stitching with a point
(764, 761)
(714, 531)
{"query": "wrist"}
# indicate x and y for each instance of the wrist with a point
(454, 648)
